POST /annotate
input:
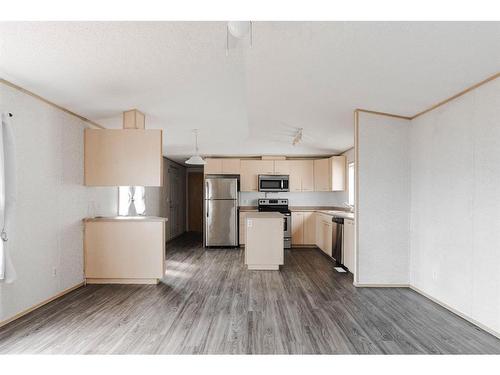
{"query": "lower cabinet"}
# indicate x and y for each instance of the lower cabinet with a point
(303, 228)
(297, 228)
(124, 251)
(324, 229)
(348, 245)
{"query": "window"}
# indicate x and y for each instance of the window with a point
(131, 200)
(350, 184)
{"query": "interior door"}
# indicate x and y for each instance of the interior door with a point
(195, 202)
(175, 200)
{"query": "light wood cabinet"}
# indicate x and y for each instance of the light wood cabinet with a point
(324, 231)
(309, 228)
(212, 166)
(250, 170)
(301, 175)
(303, 228)
(123, 157)
(348, 245)
(124, 251)
(329, 174)
(338, 173)
(322, 175)
(297, 228)
(282, 167)
(222, 166)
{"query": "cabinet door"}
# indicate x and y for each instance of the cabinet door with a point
(297, 228)
(213, 166)
(295, 169)
(282, 167)
(348, 245)
(309, 228)
(264, 166)
(319, 228)
(230, 166)
(327, 237)
(248, 176)
(307, 175)
(321, 175)
(338, 173)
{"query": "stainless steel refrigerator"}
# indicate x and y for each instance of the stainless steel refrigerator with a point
(221, 211)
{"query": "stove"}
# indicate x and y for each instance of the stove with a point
(281, 206)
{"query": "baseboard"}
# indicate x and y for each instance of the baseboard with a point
(122, 281)
(38, 305)
(456, 312)
(361, 285)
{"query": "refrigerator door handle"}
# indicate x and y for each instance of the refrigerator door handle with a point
(208, 206)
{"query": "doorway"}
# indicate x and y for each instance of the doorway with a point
(195, 202)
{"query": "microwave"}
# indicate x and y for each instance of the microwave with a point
(273, 183)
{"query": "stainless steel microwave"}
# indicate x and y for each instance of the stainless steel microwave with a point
(273, 183)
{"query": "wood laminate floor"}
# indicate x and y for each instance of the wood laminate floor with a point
(209, 303)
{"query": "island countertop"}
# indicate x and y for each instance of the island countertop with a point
(124, 218)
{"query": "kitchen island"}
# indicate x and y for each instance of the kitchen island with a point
(264, 249)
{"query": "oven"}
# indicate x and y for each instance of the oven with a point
(273, 183)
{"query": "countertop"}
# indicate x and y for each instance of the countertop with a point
(124, 218)
(327, 210)
(343, 214)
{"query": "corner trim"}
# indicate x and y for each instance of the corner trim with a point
(463, 92)
(382, 114)
(456, 312)
(46, 101)
(40, 304)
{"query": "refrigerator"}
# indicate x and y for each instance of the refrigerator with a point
(221, 211)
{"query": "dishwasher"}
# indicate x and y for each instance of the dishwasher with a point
(337, 240)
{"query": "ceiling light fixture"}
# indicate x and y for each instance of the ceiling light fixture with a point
(239, 30)
(196, 159)
(298, 137)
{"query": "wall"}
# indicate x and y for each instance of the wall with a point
(455, 208)
(47, 231)
(383, 200)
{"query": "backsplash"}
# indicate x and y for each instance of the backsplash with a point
(297, 199)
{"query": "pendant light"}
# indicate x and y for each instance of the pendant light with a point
(196, 159)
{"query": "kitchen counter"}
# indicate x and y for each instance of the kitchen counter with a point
(343, 214)
(124, 218)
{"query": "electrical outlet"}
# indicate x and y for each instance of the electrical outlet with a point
(54, 271)
(434, 274)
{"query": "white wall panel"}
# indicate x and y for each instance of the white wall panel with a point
(455, 206)
(383, 200)
(51, 202)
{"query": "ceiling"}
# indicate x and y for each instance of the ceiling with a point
(308, 75)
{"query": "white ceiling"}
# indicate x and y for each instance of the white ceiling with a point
(307, 75)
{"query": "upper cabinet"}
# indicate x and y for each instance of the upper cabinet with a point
(125, 157)
(222, 166)
(329, 174)
(305, 175)
(250, 170)
(301, 175)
